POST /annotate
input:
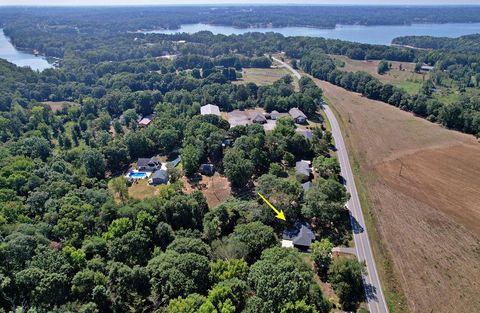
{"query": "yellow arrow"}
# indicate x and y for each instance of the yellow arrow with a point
(280, 214)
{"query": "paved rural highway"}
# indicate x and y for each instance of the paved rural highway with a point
(363, 250)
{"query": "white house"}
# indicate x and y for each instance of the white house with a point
(210, 109)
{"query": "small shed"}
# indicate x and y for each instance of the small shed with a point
(207, 169)
(298, 116)
(427, 68)
(159, 177)
(299, 236)
(144, 122)
(227, 142)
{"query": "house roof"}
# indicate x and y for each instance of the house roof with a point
(160, 174)
(303, 167)
(296, 113)
(306, 133)
(259, 118)
(176, 161)
(145, 121)
(210, 109)
(300, 234)
(275, 114)
(306, 186)
(146, 161)
(207, 168)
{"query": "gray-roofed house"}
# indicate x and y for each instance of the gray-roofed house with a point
(302, 169)
(175, 162)
(306, 133)
(149, 164)
(159, 177)
(207, 169)
(300, 237)
(275, 115)
(297, 115)
(210, 109)
(259, 118)
(306, 186)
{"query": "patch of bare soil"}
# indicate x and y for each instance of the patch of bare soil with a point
(423, 187)
(59, 105)
(216, 188)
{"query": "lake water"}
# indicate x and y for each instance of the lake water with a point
(365, 34)
(8, 52)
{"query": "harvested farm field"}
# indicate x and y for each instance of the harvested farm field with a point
(421, 186)
(401, 74)
(263, 76)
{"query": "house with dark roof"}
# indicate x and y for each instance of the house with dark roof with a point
(149, 164)
(297, 115)
(207, 169)
(300, 236)
(159, 177)
(303, 170)
(227, 142)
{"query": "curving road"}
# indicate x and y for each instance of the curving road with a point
(363, 250)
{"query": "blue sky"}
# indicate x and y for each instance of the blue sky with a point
(170, 2)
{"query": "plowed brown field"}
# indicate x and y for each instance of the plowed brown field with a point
(423, 189)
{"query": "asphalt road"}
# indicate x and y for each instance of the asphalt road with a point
(363, 250)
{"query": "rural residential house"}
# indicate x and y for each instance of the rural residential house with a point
(297, 115)
(149, 164)
(275, 115)
(259, 118)
(159, 177)
(306, 133)
(144, 122)
(300, 237)
(303, 170)
(210, 109)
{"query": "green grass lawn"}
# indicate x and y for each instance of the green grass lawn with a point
(411, 87)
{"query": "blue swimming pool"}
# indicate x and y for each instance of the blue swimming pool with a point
(137, 175)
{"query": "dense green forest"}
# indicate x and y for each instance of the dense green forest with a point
(468, 43)
(143, 17)
(73, 240)
(79, 46)
(71, 237)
